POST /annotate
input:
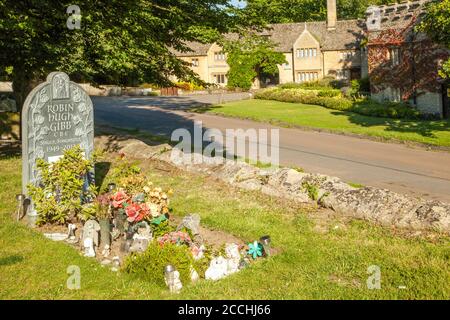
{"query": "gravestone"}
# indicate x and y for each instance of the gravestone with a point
(57, 115)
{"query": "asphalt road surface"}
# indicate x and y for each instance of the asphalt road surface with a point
(403, 169)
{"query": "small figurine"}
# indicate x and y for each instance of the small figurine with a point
(194, 275)
(116, 264)
(88, 244)
(217, 269)
(71, 237)
(233, 257)
(173, 281)
(142, 238)
(106, 251)
(90, 237)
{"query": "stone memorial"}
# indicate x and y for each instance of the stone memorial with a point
(57, 115)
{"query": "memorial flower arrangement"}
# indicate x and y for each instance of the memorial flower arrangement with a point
(146, 203)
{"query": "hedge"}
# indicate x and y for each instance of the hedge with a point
(327, 98)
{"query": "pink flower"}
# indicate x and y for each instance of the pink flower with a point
(119, 198)
(136, 212)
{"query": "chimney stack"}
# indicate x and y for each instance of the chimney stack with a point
(331, 14)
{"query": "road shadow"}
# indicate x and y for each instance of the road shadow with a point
(10, 149)
(424, 128)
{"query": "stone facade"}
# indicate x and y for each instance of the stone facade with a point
(403, 63)
(313, 50)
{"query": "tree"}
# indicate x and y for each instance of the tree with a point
(118, 40)
(436, 24)
(279, 11)
(249, 57)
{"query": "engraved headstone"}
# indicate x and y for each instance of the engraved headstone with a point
(57, 115)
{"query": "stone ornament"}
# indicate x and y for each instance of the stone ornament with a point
(90, 237)
(191, 222)
(71, 237)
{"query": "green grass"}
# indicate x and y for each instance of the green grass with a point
(436, 133)
(320, 258)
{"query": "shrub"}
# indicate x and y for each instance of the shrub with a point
(330, 99)
(189, 86)
(394, 110)
(58, 197)
(150, 264)
(359, 86)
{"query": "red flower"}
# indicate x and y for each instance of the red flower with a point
(137, 212)
(118, 199)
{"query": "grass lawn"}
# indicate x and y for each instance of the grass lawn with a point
(321, 257)
(435, 133)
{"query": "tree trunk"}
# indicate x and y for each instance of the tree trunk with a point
(23, 83)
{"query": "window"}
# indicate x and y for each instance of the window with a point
(286, 66)
(219, 78)
(307, 76)
(346, 55)
(394, 56)
(219, 55)
(194, 62)
(306, 53)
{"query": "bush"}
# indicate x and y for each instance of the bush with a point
(328, 99)
(58, 197)
(189, 86)
(359, 86)
(394, 110)
(150, 264)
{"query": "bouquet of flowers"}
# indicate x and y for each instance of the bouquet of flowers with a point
(146, 203)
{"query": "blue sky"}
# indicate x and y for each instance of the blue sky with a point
(238, 3)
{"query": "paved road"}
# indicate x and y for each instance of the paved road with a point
(397, 167)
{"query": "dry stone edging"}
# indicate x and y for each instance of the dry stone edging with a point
(380, 206)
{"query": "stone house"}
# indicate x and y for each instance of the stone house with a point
(313, 50)
(403, 63)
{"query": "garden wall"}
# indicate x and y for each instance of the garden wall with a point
(376, 205)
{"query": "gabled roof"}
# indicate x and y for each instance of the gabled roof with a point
(347, 35)
(197, 49)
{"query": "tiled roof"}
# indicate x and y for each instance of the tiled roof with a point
(197, 49)
(395, 16)
(347, 35)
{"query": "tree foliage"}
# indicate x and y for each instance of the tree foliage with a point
(251, 56)
(436, 24)
(119, 42)
(279, 11)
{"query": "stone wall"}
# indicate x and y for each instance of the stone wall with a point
(380, 206)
